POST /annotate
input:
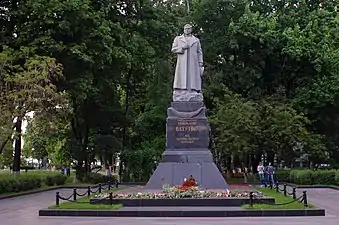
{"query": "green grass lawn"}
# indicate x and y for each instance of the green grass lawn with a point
(279, 198)
(83, 203)
(45, 187)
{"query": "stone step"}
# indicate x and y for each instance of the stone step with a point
(183, 212)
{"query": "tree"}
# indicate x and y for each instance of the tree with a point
(234, 126)
(277, 52)
(26, 85)
(45, 137)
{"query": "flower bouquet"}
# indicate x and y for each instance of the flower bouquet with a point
(188, 184)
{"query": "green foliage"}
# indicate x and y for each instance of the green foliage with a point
(6, 157)
(308, 177)
(49, 181)
(243, 127)
(235, 125)
(142, 162)
(276, 56)
(27, 84)
(10, 183)
(282, 175)
(55, 180)
(96, 178)
(270, 82)
(45, 138)
(24, 183)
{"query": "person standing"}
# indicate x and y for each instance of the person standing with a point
(68, 170)
(270, 173)
(261, 172)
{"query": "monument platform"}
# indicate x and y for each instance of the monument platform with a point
(187, 152)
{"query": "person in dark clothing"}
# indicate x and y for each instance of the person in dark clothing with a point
(68, 171)
(270, 174)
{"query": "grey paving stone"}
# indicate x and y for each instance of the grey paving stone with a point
(24, 211)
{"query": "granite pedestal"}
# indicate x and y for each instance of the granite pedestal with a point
(187, 153)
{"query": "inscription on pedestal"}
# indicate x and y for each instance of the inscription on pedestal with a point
(187, 131)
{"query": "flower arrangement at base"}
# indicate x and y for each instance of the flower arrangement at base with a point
(188, 184)
(189, 189)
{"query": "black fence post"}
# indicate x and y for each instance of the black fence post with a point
(294, 193)
(277, 186)
(74, 194)
(57, 199)
(111, 198)
(109, 185)
(116, 184)
(305, 199)
(89, 191)
(271, 186)
(100, 187)
(285, 189)
(251, 199)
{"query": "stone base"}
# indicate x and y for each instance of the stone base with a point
(172, 173)
(187, 96)
(184, 156)
(187, 153)
(182, 212)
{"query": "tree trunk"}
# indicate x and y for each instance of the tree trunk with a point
(256, 159)
(128, 92)
(17, 147)
(270, 156)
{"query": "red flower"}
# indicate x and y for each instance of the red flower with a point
(188, 184)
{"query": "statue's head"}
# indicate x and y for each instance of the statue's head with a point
(187, 29)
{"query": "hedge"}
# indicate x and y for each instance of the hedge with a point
(308, 177)
(96, 178)
(24, 182)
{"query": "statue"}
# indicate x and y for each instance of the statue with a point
(189, 68)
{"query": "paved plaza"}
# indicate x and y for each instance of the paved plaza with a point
(24, 211)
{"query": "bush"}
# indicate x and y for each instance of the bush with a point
(323, 177)
(336, 177)
(27, 168)
(29, 181)
(282, 175)
(308, 177)
(49, 180)
(59, 179)
(303, 177)
(9, 184)
(95, 178)
(55, 180)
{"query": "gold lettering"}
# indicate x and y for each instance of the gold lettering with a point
(187, 128)
(187, 122)
(187, 140)
(187, 125)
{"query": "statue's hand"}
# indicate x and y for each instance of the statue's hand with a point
(201, 64)
(185, 46)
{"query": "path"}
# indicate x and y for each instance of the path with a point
(323, 198)
(24, 211)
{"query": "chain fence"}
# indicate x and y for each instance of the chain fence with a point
(301, 199)
(73, 197)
